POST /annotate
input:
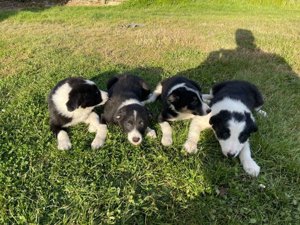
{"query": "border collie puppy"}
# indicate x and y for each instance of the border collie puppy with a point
(72, 101)
(125, 107)
(232, 104)
(181, 99)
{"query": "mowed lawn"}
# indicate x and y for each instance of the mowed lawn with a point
(149, 184)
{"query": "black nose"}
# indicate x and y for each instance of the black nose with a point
(230, 155)
(208, 111)
(135, 139)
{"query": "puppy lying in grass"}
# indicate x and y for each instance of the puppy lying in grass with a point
(71, 102)
(232, 104)
(181, 99)
(126, 109)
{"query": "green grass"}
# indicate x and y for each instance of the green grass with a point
(149, 184)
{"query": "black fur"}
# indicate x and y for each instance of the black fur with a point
(123, 88)
(181, 99)
(244, 91)
(81, 95)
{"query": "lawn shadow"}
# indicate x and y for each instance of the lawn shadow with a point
(273, 146)
(277, 82)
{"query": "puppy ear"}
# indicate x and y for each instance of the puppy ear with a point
(173, 98)
(213, 120)
(252, 125)
(111, 82)
(74, 101)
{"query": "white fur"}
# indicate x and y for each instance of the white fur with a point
(232, 144)
(90, 82)
(104, 96)
(198, 124)
(166, 133)
(230, 105)
(132, 134)
(130, 101)
(100, 129)
(249, 165)
(60, 98)
(63, 140)
(150, 133)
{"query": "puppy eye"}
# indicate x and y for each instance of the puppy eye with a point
(141, 123)
(226, 135)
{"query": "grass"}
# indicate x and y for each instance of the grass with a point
(150, 184)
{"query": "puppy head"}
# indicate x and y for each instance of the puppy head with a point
(232, 130)
(188, 101)
(85, 95)
(134, 120)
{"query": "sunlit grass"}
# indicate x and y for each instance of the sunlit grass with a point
(149, 184)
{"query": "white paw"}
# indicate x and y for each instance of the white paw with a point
(97, 143)
(190, 146)
(92, 129)
(64, 145)
(151, 134)
(166, 141)
(251, 168)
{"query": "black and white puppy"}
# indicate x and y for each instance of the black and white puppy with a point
(126, 109)
(181, 99)
(232, 104)
(72, 101)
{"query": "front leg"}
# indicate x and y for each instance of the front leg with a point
(100, 129)
(166, 133)
(150, 133)
(248, 163)
(198, 124)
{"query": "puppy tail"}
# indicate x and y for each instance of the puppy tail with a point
(152, 97)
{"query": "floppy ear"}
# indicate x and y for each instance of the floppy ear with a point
(174, 96)
(111, 82)
(214, 119)
(74, 101)
(252, 125)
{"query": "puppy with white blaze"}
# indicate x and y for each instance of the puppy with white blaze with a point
(232, 104)
(181, 99)
(71, 102)
(126, 109)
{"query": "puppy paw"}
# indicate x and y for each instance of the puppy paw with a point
(151, 133)
(251, 168)
(97, 143)
(166, 141)
(64, 145)
(190, 146)
(262, 113)
(92, 129)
